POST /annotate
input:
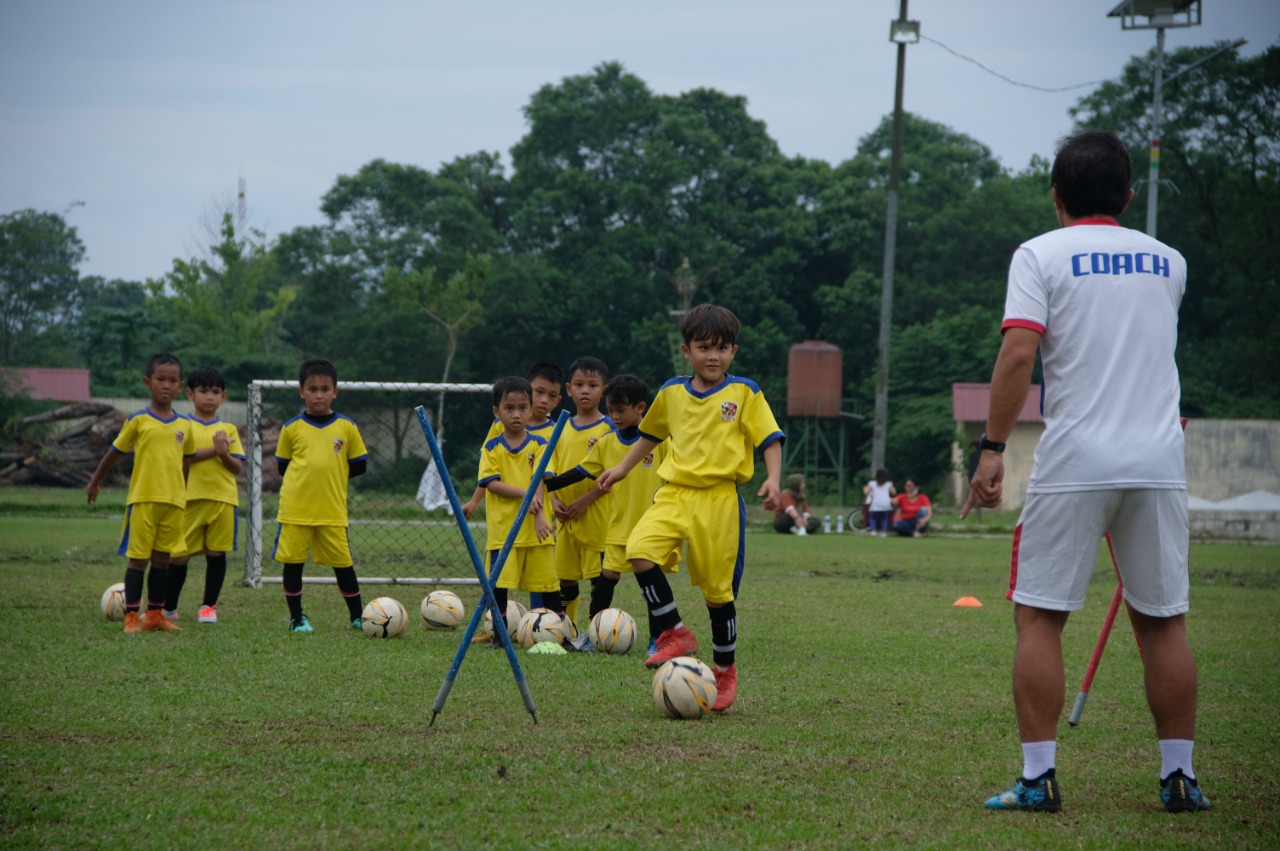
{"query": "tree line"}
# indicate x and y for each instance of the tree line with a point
(620, 205)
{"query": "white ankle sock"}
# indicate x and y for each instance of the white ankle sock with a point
(1038, 757)
(1175, 754)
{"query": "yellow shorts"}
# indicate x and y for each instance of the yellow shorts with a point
(527, 569)
(712, 520)
(327, 545)
(615, 559)
(151, 527)
(575, 560)
(209, 526)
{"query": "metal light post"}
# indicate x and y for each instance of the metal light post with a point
(902, 32)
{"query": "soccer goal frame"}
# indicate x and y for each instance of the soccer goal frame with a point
(254, 543)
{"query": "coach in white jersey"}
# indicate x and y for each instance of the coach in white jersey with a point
(1100, 303)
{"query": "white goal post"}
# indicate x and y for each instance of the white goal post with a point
(442, 531)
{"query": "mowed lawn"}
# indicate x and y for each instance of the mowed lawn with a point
(871, 711)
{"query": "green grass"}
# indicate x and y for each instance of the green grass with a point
(870, 711)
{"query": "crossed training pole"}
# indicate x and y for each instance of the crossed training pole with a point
(487, 579)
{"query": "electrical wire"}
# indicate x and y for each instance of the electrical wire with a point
(1002, 76)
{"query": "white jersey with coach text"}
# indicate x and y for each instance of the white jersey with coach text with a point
(1105, 299)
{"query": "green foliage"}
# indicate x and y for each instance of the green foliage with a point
(39, 285)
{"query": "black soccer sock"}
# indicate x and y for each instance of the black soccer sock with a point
(569, 592)
(173, 588)
(157, 587)
(551, 600)
(601, 594)
(215, 573)
(657, 594)
(292, 575)
(349, 585)
(133, 589)
(500, 597)
(724, 633)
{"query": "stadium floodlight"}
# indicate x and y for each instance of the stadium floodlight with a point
(904, 32)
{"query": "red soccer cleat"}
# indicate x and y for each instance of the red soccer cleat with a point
(726, 687)
(672, 643)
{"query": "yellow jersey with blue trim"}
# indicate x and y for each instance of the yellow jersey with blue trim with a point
(158, 446)
(712, 435)
(208, 479)
(515, 466)
(631, 497)
(542, 429)
(319, 451)
(574, 445)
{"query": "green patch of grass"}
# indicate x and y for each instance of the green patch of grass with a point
(871, 711)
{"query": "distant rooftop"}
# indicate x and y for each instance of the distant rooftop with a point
(970, 403)
(38, 382)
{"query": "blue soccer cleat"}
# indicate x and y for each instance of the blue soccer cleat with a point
(1180, 794)
(300, 624)
(1042, 795)
(357, 623)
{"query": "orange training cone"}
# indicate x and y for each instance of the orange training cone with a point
(972, 602)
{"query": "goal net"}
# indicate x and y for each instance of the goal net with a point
(401, 526)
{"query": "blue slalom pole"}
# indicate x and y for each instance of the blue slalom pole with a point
(488, 601)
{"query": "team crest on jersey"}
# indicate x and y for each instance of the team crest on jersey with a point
(728, 410)
(180, 437)
(530, 458)
(648, 460)
(338, 443)
(591, 441)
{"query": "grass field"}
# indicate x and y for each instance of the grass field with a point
(870, 711)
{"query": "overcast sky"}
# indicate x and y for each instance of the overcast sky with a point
(150, 112)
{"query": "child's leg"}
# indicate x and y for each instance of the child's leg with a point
(602, 591)
(215, 573)
(134, 576)
(157, 581)
(349, 585)
(569, 592)
(177, 578)
(724, 632)
(293, 590)
(657, 594)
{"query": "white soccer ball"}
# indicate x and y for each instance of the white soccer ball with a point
(113, 602)
(443, 610)
(612, 631)
(544, 625)
(684, 688)
(384, 617)
(515, 612)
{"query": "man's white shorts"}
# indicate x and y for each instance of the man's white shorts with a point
(1055, 548)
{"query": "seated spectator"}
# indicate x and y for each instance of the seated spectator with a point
(792, 513)
(914, 510)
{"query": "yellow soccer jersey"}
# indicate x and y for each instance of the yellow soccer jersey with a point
(630, 498)
(513, 466)
(713, 435)
(208, 479)
(319, 452)
(572, 448)
(158, 447)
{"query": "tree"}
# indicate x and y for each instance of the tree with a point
(118, 329)
(39, 279)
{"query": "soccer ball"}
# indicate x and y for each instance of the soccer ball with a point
(684, 688)
(443, 610)
(515, 612)
(384, 618)
(612, 631)
(544, 625)
(113, 602)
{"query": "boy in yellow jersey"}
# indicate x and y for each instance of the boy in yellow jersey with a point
(209, 521)
(713, 421)
(627, 396)
(546, 380)
(507, 464)
(580, 509)
(162, 446)
(318, 451)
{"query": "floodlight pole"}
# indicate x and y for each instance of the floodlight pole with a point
(1157, 107)
(903, 32)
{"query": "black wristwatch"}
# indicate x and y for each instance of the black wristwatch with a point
(984, 444)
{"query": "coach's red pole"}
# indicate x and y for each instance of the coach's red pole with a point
(1078, 709)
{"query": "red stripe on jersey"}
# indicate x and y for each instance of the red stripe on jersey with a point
(1013, 563)
(1096, 220)
(1022, 323)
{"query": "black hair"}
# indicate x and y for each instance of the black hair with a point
(1092, 174)
(590, 366)
(915, 480)
(206, 376)
(317, 367)
(547, 372)
(511, 384)
(709, 323)
(162, 359)
(882, 476)
(626, 389)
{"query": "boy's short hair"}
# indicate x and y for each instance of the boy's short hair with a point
(162, 359)
(314, 367)
(1092, 174)
(709, 323)
(206, 376)
(589, 366)
(511, 384)
(547, 372)
(626, 389)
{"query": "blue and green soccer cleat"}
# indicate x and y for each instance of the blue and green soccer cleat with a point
(300, 624)
(1042, 795)
(357, 623)
(1180, 794)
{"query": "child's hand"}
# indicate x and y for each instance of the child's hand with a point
(221, 443)
(92, 490)
(469, 507)
(578, 507)
(560, 510)
(542, 527)
(609, 478)
(535, 507)
(768, 493)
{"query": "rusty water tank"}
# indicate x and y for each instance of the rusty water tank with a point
(815, 376)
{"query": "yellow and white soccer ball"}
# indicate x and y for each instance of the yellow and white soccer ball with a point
(612, 631)
(113, 602)
(443, 610)
(515, 612)
(684, 688)
(384, 617)
(544, 625)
